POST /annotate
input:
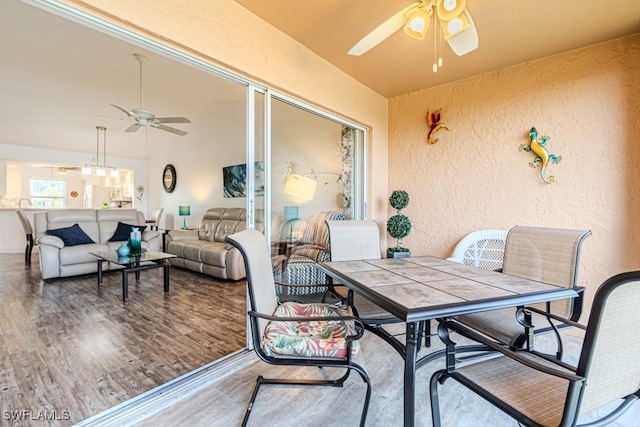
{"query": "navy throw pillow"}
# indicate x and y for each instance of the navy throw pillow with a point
(71, 236)
(123, 231)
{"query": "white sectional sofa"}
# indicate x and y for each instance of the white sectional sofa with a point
(58, 259)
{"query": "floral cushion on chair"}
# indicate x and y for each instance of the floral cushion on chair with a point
(309, 338)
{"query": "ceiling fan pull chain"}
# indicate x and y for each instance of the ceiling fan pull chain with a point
(435, 46)
(440, 45)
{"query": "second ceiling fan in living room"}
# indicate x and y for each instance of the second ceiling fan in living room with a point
(143, 117)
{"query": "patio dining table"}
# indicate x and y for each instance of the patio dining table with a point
(424, 288)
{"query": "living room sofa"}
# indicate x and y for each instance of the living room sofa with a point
(204, 249)
(58, 259)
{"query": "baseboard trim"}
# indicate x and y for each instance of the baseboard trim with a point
(155, 400)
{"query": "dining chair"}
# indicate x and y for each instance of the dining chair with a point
(28, 230)
(548, 255)
(295, 334)
(483, 249)
(298, 265)
(541, 391)
(354, 240)
(154, 220)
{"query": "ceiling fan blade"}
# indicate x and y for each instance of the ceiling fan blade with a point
(465, 41)
(383, 31)
(169, 129)
(124, 110)
(172, 120)
(134, 127)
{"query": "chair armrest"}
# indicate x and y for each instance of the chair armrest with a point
(452, 325)
(555, 317)
(51, 241)
(292, 249)
(300, 285)
(343, 319)
(456, 259)
(183, 234)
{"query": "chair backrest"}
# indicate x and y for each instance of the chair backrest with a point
(549, 255)
(256, 252)
(610, 358)
(24, 220)
(156, 215)
(354, 240)
(483, 249)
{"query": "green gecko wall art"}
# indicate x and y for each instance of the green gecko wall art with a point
(537, 145)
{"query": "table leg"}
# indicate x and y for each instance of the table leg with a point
(125, 285)
(166, 267)
(410, 375)
(99, 273)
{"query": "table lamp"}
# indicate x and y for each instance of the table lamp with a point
(184, 211)
(290, 215)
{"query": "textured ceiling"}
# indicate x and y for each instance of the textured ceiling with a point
(509, 31)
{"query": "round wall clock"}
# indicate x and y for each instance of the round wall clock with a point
(169, 178)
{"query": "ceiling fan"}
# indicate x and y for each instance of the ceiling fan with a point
(453, 16)
(143, 117)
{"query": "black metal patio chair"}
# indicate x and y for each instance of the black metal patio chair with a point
(292, 333)
(539, 390)
(548, 255)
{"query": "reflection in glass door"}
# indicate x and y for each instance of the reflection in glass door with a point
(317, 165)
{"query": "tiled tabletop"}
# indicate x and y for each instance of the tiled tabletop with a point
(427, 287)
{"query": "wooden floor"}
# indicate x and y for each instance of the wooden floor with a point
(70, 350)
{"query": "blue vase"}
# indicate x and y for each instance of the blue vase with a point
(123, 250)
(135, 242)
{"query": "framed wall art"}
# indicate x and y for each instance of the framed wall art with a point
(169, 178)
(234, 179)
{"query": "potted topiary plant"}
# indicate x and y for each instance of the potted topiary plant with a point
(398, 226)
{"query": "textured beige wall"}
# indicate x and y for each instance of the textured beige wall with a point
(474, 178)
(228, 35)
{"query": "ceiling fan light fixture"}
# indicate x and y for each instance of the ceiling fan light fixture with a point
(418, 23)
(455, 26)
(465, 41)
(450, 9)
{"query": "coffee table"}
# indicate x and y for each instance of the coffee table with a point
(134, 263)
